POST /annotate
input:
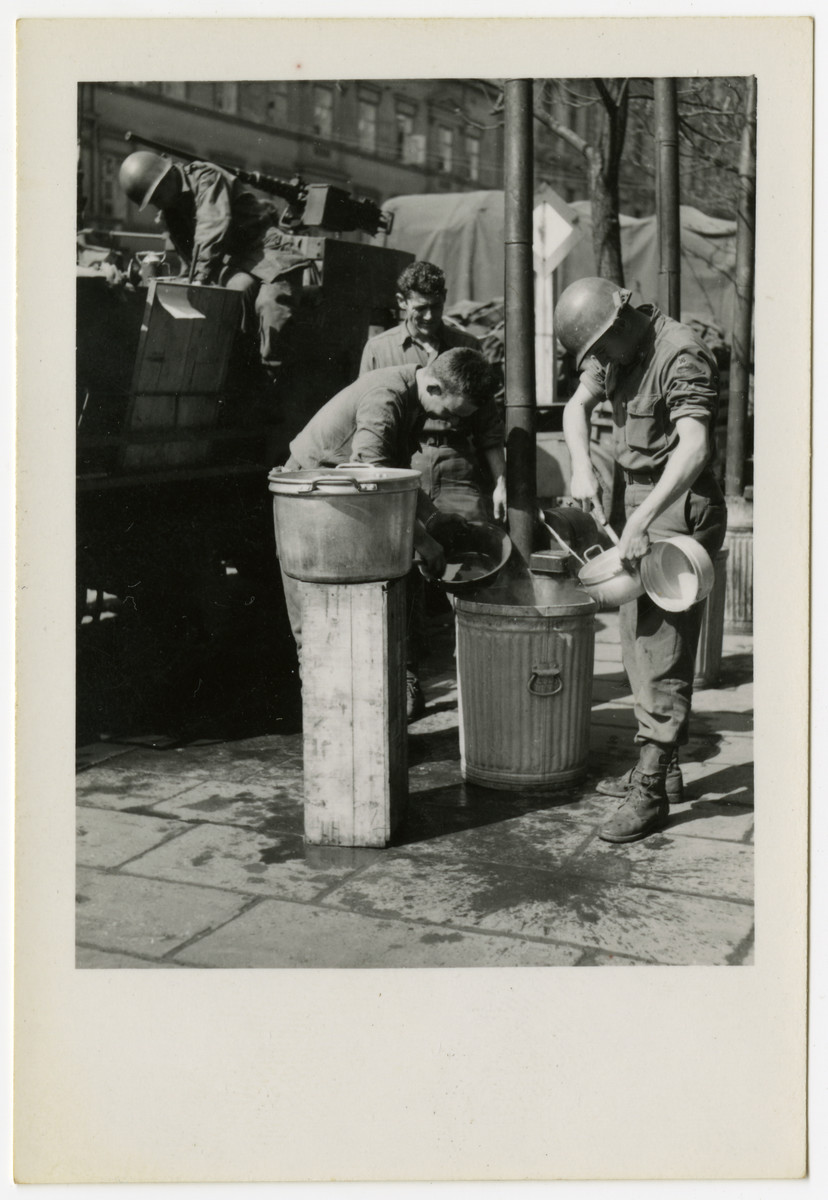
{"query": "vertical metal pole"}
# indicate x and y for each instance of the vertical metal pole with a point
(520, 319)
(667, 197)
(554, 302)
(742, 325)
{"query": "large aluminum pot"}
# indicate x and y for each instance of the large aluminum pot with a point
(607, 580)
(677, 573)
(351, 524)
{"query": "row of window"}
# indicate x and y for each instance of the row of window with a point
(451, 155)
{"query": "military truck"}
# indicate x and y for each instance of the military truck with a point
(181, 625)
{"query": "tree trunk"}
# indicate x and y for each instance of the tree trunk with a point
(742, 325)
(606, 226)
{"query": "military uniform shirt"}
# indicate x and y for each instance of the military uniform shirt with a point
(219, 221)
(674, 375)
(484, 427)
(376, 419)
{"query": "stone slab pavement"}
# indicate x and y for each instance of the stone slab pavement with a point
(193, 857)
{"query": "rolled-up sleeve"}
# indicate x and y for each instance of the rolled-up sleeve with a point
(593, 377)
(691, 385)
(487, 426)
(379, 430)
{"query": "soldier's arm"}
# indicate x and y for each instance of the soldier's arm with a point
(690, 387)
(213, 216)
(585, 485)
(496, 458)
(681, 471)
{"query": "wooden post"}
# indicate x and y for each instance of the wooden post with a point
(353, 703)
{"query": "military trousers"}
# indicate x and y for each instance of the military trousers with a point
(658, 647)
(267, 309)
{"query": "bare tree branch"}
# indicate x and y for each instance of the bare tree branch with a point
(604, 93)
(563, 131)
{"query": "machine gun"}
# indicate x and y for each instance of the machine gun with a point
(317, 205)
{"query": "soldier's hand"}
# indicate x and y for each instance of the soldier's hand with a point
(449, 529)
(499, 501)
(585, 488)
(433, 557)
(633, 544)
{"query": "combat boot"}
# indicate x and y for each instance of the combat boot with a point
(645, 808)
(619, 785)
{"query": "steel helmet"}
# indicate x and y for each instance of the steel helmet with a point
(140, 175)
(585, 312)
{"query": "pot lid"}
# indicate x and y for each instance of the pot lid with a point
(345, 478)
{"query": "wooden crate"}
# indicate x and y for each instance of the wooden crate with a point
(180, 370)
(353, 702)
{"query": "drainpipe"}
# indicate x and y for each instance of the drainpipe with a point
(667, 197)
(519, 291)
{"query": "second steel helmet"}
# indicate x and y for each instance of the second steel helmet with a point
(140, 175)
(585, 311)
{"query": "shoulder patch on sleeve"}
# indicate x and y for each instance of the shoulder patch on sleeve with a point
(689, 366)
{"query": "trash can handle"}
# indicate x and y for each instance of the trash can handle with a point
(342, 481)
(593, 551)
(553, 671)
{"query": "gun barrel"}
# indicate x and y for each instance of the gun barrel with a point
(161, 147)
(294, 193)
(322, 205)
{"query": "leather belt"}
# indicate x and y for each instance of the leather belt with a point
(651, 476)
(444, 439)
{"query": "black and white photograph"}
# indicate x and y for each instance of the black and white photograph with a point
(391, 642)
(414, 522)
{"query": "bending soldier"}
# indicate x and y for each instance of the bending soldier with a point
(378, 420)
(662, 382)
(227, 236)
(448, 454)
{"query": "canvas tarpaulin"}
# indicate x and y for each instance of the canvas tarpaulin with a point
(463, 234)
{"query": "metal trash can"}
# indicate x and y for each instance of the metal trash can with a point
(709, 652)
(525, 655)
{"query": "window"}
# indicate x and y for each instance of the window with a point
(113, 199)
(175, 91)
(367, 126)
(473, 156)
(323, 112)
(277, 104)
(405, 132)
(227, 97)
(445, 149)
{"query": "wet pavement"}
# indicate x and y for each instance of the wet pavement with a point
(194, 857)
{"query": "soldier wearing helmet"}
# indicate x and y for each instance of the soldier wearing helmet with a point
(662, 383)
(227, 236)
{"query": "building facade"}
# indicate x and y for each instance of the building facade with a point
(375, 138)
(384, 138)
